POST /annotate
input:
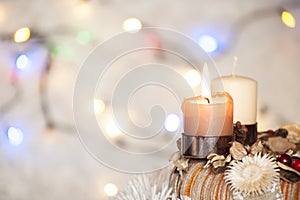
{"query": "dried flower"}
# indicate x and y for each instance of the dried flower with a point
(254, 175)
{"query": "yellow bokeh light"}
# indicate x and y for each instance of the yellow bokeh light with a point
(113, 130)
(22, 34)
(99, 106)
(2, 14)
(288, 19)
(83, 10)
(193, 78)
(111, 189)
(132, 25)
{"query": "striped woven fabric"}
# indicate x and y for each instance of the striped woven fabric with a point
(202, 184)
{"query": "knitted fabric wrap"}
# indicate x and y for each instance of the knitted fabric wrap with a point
(203, 184)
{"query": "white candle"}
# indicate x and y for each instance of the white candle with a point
(243, 91)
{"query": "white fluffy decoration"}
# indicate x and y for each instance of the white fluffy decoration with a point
(149, 187)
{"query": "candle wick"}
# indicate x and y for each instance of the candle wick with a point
(234, 65)
(207, 99)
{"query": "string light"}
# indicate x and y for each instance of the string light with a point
(22, 35)
(84, 37)
(15, 136)
(172, 123)
(193, 78)
(111, 190)
(113, 130)
(2, 14)
(288, 19)
(22, 62)
(62, 51)
(99, 106)
(208, 43)
(132, 25)
(83, 10)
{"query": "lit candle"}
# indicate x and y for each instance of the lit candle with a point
(208, 123)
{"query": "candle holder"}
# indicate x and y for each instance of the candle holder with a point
(199, 147)
(245, 134)
(252, 134)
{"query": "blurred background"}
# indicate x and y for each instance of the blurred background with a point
(44, 43)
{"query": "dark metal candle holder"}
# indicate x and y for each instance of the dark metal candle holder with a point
(199, 147)
(251, 137)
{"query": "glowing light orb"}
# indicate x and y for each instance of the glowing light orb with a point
(99, 106)
(172, 123)
(15, 136)
(193, 78)
(113, 130)
(132, 25)
(22, 62)
(288, 19)
(83, 10)
(208, 43)
(63, 51)
(111, 189)
(84, 37)
(22, 35)
(2, 13)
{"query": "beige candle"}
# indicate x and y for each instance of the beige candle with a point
(244, 93)
(204, 117)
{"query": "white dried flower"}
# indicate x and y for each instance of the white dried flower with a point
(254, 175)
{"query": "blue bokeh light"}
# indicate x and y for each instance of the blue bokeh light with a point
(208, 43)
(172, 123)
(22, 62)
(15, 136)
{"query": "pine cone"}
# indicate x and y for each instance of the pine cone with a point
(239, 132)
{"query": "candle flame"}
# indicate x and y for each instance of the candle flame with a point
(206, 83)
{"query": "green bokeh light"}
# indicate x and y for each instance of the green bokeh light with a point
(63, 51)
(84, 37)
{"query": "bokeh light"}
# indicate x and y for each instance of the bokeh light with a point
(22, 62)
(15, 136)
(62, 51)
(132, 25)
(99, 106)
(193, 78)
(172, 123)
(113, 130)
(111, 189)
(83, 10)
(22, 34)
(2, 13)
(84, 37)
(208, 43)
(288, 19)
